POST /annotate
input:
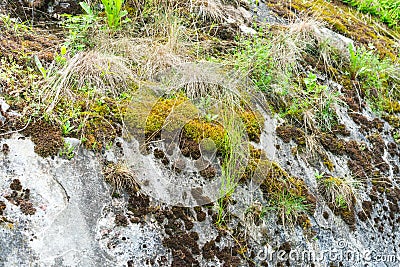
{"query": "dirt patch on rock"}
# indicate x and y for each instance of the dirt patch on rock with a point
(2, 207)
(287, 133)
(20, 197)
(47, 138)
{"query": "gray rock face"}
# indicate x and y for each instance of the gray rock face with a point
(68, 197)
(74, 219)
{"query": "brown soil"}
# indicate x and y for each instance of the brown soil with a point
(325, 215)
(22, 45)
(181, 241)
(183, 246)
(332, 143)
(360, 159)
(16, 185)
(367, 125)
(200, 215)
(139, 205)
(209, 172)
(350, 95)
(27, 207)
(2, 207)
(378, 151)
(189, 147)
(340, 129)
(287, 133)
(47, 138)
(20, 197)
(5, 149)
(393, 149)
(121, 220)
(159, 154)
(366, 211)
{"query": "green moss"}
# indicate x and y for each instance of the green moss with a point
(329, 164)
(339, 196)
(256, 155)
(276, 180)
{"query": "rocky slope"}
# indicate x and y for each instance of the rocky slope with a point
(209, 133)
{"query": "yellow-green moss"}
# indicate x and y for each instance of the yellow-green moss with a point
(199, 130)
(276, 181)
(252, 122)
(393, 120)
(329, 164)
(391, 106)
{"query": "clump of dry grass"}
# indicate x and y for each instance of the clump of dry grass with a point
(208, 9)
(291, 45)
(340, 192)
(120, 177)
(105, 73)
(148, 57)
(204, 79)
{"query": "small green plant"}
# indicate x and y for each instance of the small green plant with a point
(67, 128)
(289, 207)
(319, 175)
(341, 202)
(388, 11)
(338, 191)
(114, 12)
(61, 58)
(234, 159)
(67, 151)
(396, 137)
(79, 28)
(378, 77)
(311, 84)
(211, 117)
(255, 60)
(314, 99)
(12, 24)
(109, 145)
(39, 65)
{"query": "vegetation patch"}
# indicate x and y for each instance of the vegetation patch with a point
(387, 11)
(288, 196)
(339, 195)
(343, 20)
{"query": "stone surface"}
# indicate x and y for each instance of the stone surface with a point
(68, 197)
